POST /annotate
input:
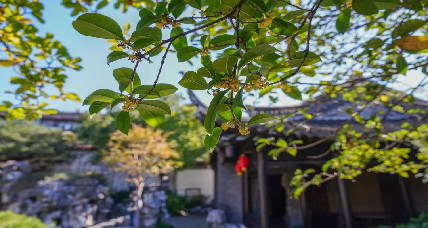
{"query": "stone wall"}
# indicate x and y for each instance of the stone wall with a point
(229, 192)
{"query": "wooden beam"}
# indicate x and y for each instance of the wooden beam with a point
(261, 172)
(346, 204)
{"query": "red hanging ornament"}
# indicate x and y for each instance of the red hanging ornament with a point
(244, 162)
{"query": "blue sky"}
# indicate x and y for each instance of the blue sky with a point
(96, 74)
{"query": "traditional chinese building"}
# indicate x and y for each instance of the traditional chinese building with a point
(66, 121)
(261, 198)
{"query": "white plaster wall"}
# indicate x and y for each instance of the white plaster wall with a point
(196, 178)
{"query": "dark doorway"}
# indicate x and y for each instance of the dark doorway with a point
(319, 208)
(277, 200)
(392, 198)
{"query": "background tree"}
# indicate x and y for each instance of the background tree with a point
(25, 140)
(39, 60)
(142, 153)
(185, 131)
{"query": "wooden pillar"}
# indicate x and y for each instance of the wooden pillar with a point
(246, 193)
(406, 197)
(263, 191)
(346, 204)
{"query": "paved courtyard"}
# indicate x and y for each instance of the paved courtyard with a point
(197, 220)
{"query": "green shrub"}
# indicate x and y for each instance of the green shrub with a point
(161, 224)
(9, 219)
(194, 201)
(120, 196)
(175, 203)
(420, 222)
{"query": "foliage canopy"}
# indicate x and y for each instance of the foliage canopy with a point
(350, 50)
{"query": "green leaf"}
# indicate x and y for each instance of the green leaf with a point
(374, 43)
(223, 40)
(407, 27)
(238, 101)
(123, 75)
(259, 50)
(116, 55)
(292, 151)
(147, 34)
(6, 63)
(194, 3)
(281, 27)
(151, 118)
(123, 122)
(156, 107)
(226, 115)
(211, 112)
(161, 90)
(401, 65)
(147, 18)
(181, 41)
(103, 95)
(293, 92)
(260, 118)
(161, 9)
(266, 90)
(97, 25)
(312, 58)
(225, 64)
(211, 140)
(116, 102)
(123, 84)
(187, 53)
(342, 22)
(258, 5)
(386, 4)
(364, 7)
(97, 106)
(192, 80)
(176, 7)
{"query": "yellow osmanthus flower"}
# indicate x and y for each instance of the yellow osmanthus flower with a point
(229, 83)
(205, 52)
(227, 125)
(265, 22)
(129, 104)
(243, 129)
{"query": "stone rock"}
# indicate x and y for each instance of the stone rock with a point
(216, 217)
(71, 202)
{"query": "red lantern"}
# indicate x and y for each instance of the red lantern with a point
(238, 168)
(244, 162)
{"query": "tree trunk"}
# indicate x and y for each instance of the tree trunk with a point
(139, 190)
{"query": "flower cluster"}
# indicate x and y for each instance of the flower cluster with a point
(243, 129)
(227, 125)
(165, 21)
(266, 21)
(257, 83)
(229, 83)
(124, 44)
(129, 104)
(205, 52)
